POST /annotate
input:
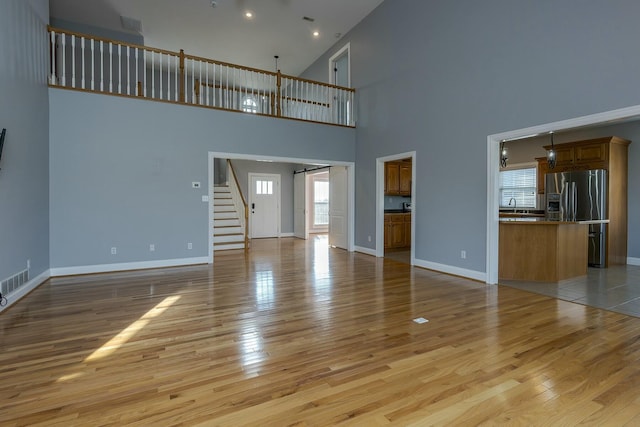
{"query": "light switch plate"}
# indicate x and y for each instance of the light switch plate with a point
(205, 198)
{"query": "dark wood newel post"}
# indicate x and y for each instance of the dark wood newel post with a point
(181, 75)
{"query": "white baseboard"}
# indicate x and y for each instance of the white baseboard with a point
(456, 271)
(364, 250)
(286, 235)
(28, 287)
(106, 268)
(633, 261)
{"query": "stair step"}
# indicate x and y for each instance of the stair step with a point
(228, 246)
(225, 215)
(228, 238)
(224, 208)
(226, 222)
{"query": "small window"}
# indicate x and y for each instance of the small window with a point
(264, 187)
(249, 105)
(518, 184)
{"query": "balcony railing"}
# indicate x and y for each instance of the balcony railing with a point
(83, 62)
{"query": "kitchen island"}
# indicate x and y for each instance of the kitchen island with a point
(537, 250)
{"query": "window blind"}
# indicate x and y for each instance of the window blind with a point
(518, 184)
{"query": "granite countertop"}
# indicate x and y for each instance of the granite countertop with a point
(546, 221)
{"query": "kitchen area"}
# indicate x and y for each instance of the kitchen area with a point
(397, 209)
(572, 213)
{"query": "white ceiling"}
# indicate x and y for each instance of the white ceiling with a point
(223, 33)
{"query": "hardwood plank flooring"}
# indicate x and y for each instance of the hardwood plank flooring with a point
(295, 333)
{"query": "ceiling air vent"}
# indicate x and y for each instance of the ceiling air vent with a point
(306, 18)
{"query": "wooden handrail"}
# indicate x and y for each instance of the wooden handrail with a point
(244, 202)
(280, 91)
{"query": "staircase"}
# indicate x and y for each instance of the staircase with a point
(228, 232)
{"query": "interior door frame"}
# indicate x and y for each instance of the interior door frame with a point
(380, 161)
(277, 180)
(351, 173)
(493, 169)
(344, 50)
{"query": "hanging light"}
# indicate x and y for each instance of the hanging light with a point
(503, 153)
(551, 154)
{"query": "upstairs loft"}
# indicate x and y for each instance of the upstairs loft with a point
(87, 63)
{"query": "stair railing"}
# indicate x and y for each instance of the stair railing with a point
(237, 195)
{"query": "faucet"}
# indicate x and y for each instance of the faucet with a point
(514, 204)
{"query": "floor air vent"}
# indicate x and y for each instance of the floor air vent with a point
(13, 283)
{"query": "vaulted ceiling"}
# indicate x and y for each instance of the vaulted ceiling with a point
(220, 29)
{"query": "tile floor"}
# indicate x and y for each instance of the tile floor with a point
(616, 288)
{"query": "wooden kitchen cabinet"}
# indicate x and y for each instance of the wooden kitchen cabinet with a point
(397, 178)
(397, 230)
(609, 153)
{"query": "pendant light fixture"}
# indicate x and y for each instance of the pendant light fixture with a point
(551, 154)
(503, 153)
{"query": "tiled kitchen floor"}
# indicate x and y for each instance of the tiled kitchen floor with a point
(616, 288)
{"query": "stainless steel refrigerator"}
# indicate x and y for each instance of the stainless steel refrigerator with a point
(580, 196)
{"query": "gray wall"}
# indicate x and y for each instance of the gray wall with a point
(128, 184)
(285, 170)
(439, 76)
(24, 112)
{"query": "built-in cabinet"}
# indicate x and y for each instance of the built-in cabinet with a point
(397, 178)
(397, 230)
(610, 153)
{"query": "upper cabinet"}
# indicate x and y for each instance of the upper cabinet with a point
(582, 155)
(397, 178)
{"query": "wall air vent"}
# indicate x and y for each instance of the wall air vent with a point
(13, 283)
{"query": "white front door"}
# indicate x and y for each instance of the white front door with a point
(338, 207)
(264, 205)
(300, 229)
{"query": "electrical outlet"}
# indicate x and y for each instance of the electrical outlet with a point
(369, 238)
(28, 264)
(152, 247)
(463, 254)
(189, 245)
(114, 251)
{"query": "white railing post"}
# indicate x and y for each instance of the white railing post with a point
(54, 53)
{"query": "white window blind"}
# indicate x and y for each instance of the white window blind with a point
(518, 184)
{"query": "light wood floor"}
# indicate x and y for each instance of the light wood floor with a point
(298, 334)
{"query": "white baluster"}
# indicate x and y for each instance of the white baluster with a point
(177, 72)
(101, 66)
(73, 60)
(144, 72)
(206, 78)
(120, 68)
(160, 74)
(93, 64)
(110, 67)
(64, 59)
(128, 70)
(83, 64)
(54, 53)
(153, 76)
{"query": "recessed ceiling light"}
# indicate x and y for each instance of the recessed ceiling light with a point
(316, 33)
(248, 14)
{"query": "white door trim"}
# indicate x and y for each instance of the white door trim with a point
(493, 169)
(345, 49)
(276, 179)
(351, 166)
(380, 201)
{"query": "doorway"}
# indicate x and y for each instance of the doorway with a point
(264, 205)
(287, 217)
(407, 229)
(493, 169)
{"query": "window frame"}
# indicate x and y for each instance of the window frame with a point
(519, 166)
